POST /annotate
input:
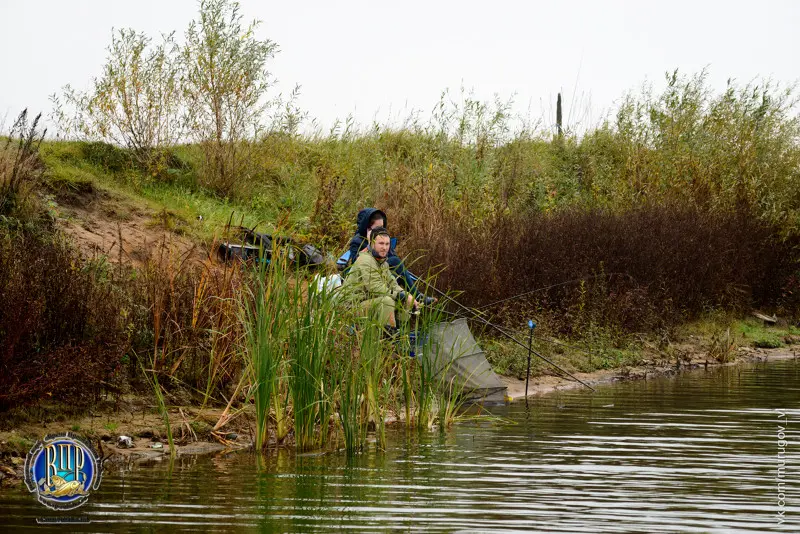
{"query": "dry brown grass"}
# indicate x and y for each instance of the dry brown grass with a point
(20, 166)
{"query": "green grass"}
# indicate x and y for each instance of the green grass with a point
(754, 332)
(68, 169)
(111, 426)
(18, 444)
(189, 205)
(586, 355)
(706, 334)
(747, 331)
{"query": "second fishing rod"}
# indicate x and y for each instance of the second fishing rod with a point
(475, 316)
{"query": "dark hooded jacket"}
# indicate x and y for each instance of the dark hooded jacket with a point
(359, 241)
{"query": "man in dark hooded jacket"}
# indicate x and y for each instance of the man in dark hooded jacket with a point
(369, 218)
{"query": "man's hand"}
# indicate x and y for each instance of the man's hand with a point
(411, 302)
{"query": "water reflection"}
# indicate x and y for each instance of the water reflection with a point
(694, 453)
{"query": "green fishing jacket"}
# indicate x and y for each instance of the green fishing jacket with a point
(369, 279)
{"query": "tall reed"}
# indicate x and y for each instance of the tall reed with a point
(311, 353)
(263, 309)
(310, 347)
(152, 378)
(352, 386)
(373, 365)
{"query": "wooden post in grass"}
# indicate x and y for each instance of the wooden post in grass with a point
(559, 116)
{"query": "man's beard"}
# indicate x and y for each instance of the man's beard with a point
(376, 254)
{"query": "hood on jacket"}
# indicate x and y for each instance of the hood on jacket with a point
(363, 220)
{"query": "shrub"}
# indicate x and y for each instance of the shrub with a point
(225, 83)
(640, 269)
(70, 324)
(110, 157)
(61, 333)
(135, 103)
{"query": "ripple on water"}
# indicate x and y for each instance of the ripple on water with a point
(696, 453)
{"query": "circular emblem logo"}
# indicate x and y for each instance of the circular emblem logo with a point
(62, 470)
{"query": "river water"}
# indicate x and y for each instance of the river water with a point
(699, 452)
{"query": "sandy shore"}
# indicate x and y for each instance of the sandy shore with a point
(542, 385)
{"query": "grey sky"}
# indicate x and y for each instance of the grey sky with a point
(376, 59)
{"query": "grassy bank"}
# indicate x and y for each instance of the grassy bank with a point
(716, 339)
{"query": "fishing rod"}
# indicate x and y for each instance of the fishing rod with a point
(508, 335)
(562, 373)
(475, 312)
(547, 340)
(514, 297)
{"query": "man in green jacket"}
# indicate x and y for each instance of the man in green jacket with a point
(371, 282)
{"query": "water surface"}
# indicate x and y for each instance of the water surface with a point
(692, 453)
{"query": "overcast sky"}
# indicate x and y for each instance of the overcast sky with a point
(381, 59)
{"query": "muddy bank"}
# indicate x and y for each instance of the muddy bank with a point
(124, 432)
(101, 222)
(541, 385)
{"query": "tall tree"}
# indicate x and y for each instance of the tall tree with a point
(225, 86)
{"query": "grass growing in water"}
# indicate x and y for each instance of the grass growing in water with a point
(310, 356)
(310, 348)
(264, 319)
(152, 379)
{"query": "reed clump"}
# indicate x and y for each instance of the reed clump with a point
(319, 372)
